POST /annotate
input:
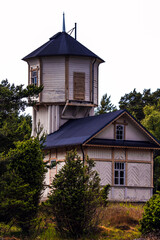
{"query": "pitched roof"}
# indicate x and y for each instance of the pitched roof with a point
(123, 143)
(62, 44)
(78, 131)
(83, 130)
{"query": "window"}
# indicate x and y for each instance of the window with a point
(119, 173)
(34, 76)
(53, 163)
(119, 132)
(79, 85)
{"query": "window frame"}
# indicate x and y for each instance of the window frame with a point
(79, 86)
(53, 160)
(119, 170)
(34, 79)
(118, 135)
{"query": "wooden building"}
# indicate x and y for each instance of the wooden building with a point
(121, 147)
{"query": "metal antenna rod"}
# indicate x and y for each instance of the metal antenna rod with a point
(75, 29)
(63, 27)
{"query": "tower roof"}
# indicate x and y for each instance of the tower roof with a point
(62, 44)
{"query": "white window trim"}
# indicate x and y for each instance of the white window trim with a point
(119, 170)
(121, 125)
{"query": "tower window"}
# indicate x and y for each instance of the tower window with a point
(34, 77)
(79, 85)
(119, 173)
(119, 132)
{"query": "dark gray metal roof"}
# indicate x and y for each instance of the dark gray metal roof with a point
(123, 143)
(79, 131)
(62, 44)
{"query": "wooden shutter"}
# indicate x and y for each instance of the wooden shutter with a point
(79, 85)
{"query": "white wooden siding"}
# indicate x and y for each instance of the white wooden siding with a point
(138, 194)
(42, 117)
(53, 79)
(139, 174)
(96, 83)
(134, 133)
(130, 194)
(59, 166)
(107, 133)
(104, 169)
(53, 153)
(34, 63)
(139, 155)
(118, 193)
(61, 154)
(99, 153)
(119, 154)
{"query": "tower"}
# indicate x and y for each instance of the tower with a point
(68, 72)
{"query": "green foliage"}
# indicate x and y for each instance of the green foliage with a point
(22, 184)
(76, 196)
(151, 120)
(156, 174)
(105, 105)
(16, 201)
(151, 217)
(135, 101)
(14, 128)
(13, 100)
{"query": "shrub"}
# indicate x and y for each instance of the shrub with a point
(76, 196)
(151, 217)
(22, 184)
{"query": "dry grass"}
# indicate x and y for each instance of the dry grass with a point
(119, 215)
(119, 221)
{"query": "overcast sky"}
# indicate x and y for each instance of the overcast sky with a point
(125, 33)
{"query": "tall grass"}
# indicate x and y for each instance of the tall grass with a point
(122, 215)
(119, 221)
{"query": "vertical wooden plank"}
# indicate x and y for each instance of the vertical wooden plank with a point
(66, 78)
(56, 159)
(28, 73)
(79, 86)
(49, 169)
(91, 81)
(97, 83)
(40, 78)
(112, 166)
(152, 165)
(126, 168)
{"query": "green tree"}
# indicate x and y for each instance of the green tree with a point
(151, 217)
(151, 120)
(76, 196)
(156, 174)
(105, 105)
(21, 186)
(135, 102)
(14, 100)
(14, 128)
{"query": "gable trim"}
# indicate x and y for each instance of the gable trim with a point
(102, 129)
(134, 120)
(142, 128)
(114, 146)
